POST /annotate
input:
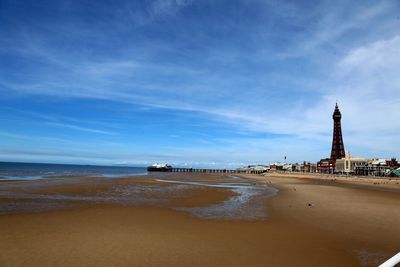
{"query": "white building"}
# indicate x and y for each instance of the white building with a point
(347, 164)
(374, 167)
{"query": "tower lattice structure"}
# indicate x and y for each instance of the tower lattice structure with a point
(337, 141)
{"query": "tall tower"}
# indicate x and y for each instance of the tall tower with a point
(337, 142)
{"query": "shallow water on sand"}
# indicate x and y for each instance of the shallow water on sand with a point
(246, 201)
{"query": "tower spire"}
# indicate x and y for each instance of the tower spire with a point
(337, 151)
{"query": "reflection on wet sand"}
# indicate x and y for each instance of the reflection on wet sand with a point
(238, 199)
(247, 203)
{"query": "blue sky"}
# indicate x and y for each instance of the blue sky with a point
(201, 83)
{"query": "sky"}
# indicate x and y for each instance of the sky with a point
(203, 83)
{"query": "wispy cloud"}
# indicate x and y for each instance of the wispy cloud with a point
(62, 122)
(168, 7)
(13, 135)
(155, 9)
(79, 128)
(336, 20)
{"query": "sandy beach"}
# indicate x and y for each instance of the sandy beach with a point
(145, 221)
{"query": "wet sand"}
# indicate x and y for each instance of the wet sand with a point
(364, 213)
(142, 222)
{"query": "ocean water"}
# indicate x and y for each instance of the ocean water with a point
(38, 171)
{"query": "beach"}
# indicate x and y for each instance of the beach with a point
(200, 220)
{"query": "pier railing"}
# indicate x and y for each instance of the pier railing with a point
(219, 171)
(392, 262)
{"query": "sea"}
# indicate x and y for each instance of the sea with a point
(36, 171)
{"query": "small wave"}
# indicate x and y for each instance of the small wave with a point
(120, 175)
(221, 185)
(21, 178)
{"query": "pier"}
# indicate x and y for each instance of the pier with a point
(218, 171)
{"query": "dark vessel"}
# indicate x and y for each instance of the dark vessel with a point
(159, 168)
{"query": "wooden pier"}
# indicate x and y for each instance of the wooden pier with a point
(217, 171)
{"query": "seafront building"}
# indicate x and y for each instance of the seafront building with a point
(326, 166)
(255, 168)
(394, 173)
(347, 164)
(378, 167)
(306, 167)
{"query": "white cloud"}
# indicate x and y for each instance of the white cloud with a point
(335, 20)
(154, 10)
(168, 7)
(80, 128)
(376, 62)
